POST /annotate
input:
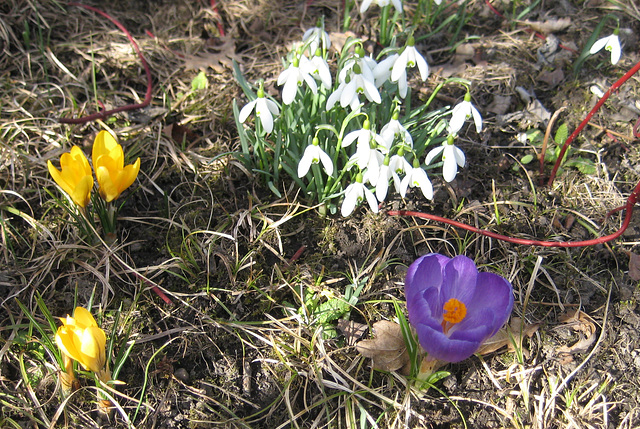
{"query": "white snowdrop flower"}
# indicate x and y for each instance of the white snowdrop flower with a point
(394, 129)
(317, 38)
(371, 160)
(313, 154)
(398, 165)
(366, 3)
(417, 178)
(336, 96)
(463, 111)
(359, 85)
(452, 157)
(410, 57)
(382, 71)
(320, 70)
(385, 173)
(364, 136)
(610, 43)
(355, 194)
(298, 71)
(265, 110)
(365, 64)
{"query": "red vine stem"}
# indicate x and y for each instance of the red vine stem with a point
(631, 201)
(586, 120)
(147, 96)
(214, 8)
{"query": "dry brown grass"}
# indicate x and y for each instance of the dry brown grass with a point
(202, 229)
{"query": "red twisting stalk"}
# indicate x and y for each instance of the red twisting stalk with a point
(147, 96)
(631, 201)
(586, 120)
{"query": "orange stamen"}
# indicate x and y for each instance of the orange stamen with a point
(454, 312)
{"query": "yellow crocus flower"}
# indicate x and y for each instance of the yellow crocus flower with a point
(74, 176)
(108, 163)
(81, 339)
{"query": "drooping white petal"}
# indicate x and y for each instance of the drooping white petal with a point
(449, 166)
(305, 162)
(420, 179)
(246, 111)
(273, 107)
(289, 91)
(400, 65)
(382, 187)
(402, 84)
(397, 4)
(335, 96)
(263, 112)
(423, 67)
(327, 163)
(371, 92)
(348, 94)
(322, 71)
(284, 76)
(432, 154)
(404, 185)
(458, 116)
(614, 47)
(350, 138)
(364, 6)
(459, 155)
(371, 199)
(351, 195)
(599, 44)
(477, 119)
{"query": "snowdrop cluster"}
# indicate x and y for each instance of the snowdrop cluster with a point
(355, 144)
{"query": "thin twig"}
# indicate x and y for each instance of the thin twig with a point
(147, 96)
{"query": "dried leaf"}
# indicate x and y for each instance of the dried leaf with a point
(549, 26)
(339, 39)
(634, 266)
(180, 134)
(552, 78)
(538, 111)
(387, 348)
(503, 336)
(218, 60)
(500, 104)
(580, 322)
(351, 330)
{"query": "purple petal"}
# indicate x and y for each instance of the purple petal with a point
(424, 308)
(476, 328)
(444, 348)
(495, 293)
(459, 280)
(424, 273)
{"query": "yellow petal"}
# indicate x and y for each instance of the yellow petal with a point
(81, 160)
(74, 176)
(83, 318)
(103, 144)
(66, 345)
(57, 177)
(93, 348)
(81, 194)
(108, 189)
(128, 175)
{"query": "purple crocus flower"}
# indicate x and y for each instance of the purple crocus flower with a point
(453, 308)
